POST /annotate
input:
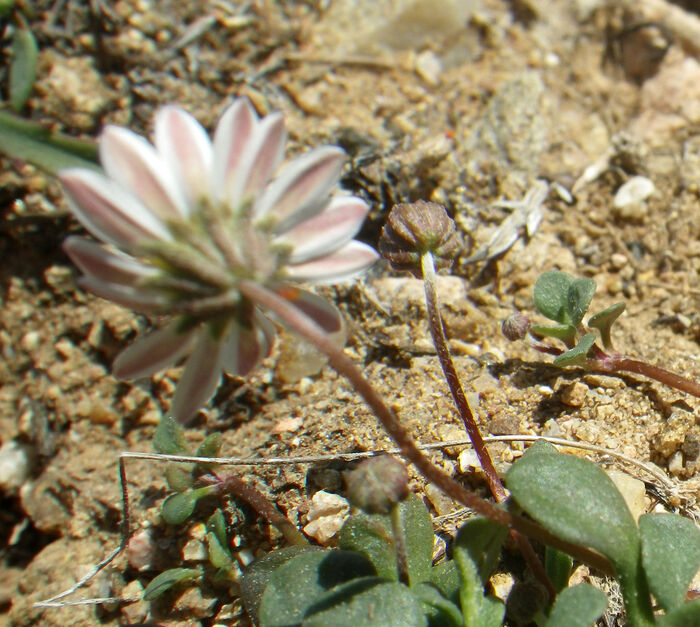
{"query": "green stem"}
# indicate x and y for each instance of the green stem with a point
(399, 544)
(311, 332)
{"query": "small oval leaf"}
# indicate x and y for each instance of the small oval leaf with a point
(177, 508)
(166, 580)
(22, 67)
(578, 606)
(219, 555)
(578, 354)
(603, 320)
(550, 295)
(564, 332)
(169, 438)
(578, 298)
(179, 478)
(670, 556)
(576, 501)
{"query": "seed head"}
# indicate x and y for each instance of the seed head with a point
(414, 229)
(377, 484)
(516, 326)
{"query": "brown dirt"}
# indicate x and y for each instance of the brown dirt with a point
(526, 90)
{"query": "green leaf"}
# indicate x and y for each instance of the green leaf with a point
(550, 295)
(578, 606)
(418, 538)
(446, 578)
(22, 67)
(603, 321)
(166, 580)
(440, 611)
(179, 478)
(371, 535)
(210, 447)
(576, 501)
(578, 298)
(256, 577)
(687, 615)
(670, 556)
(177, 508)
(217, 525)
(368, 601)
(303, 580)
(558, 566)
(169, 438)
(578, 354)
(482, 540)
(477, 609)
(564, 332)
(219, 555)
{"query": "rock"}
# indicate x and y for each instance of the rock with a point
(574, 394)
(632, 490)
(675, 464)
(326, 515)
(633, 192)
(135, 612)
(141, 549)
(16, 464)
(442, 503)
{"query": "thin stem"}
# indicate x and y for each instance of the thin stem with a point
(659, 374)
(260, 503)
(310, 331)
(437, 331)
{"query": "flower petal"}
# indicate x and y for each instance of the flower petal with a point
(139, 299)
(107, 211)
(184, 145)
(132, 162)
(336, 225)
(247, 347)
(302, 187)
(200, 378)
(318, 309)
(153, 352)
(345, 263)
(231, 140)
(263, 156)
(105, 265)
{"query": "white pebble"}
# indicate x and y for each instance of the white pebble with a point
(634, 191)
(16, 461)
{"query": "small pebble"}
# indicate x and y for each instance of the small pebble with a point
(618, 261)
(326, 516)
(634, 191)
(574, 394)
(632, 490)
(675, 464)
(16, 462)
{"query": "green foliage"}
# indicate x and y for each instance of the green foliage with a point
(169, 438)
(578, 354)
(578, 606)
(169, 579)
(550, 295)
(22, 67)
(670, 555)
(603, 320)
(558, 567)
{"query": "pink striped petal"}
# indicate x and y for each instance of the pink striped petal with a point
(108, 211)
(200, 378)
(246, 347)
(184, 145)
(335, 226)
(132, 162)
(231, 143)
(153, 352)
(139, 299)
(302, 187)
(344, 264)
(318, 309)
(105, 265)
(263, 156)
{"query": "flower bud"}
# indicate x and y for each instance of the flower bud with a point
(414, 229)
(516, 326)
(377, 484)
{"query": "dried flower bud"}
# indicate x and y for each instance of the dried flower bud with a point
(377, 484)
(516, 326)
(417, 228)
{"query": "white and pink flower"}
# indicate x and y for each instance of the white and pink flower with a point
(185, 219)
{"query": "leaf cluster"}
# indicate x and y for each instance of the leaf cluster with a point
(565, 300)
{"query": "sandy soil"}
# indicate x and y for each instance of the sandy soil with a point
(461, 102)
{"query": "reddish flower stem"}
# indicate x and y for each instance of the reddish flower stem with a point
(671, 379)
(437, 331)
(310, 331)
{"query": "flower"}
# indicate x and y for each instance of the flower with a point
(183, 220)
